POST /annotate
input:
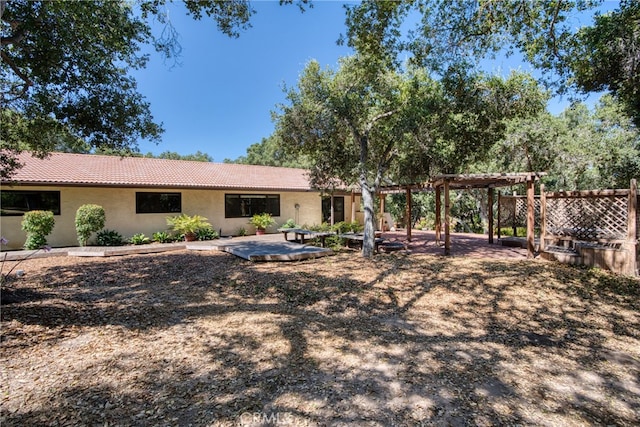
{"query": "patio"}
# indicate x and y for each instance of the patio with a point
(272, 247)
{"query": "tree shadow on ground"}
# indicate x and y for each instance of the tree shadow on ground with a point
(208, 339)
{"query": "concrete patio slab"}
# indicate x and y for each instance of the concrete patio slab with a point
(270, 247)
(263, 248)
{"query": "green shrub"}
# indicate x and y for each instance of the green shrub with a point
(162, 237)
(346, 227)
(262, 220)
(37, 224)
(139, 239)
(508, 232)
(89, 219)
(206, 234)
(187, 225)
(325, 226)
(290, 224)
(109, 238)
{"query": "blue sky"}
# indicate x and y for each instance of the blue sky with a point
(219, 99)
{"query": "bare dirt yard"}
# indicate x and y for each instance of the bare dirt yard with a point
(207, 339)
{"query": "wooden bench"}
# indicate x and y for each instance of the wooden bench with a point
(359, 238)
(300, 234)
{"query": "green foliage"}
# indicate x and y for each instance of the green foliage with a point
(508, 232)
(606, 56)
(38, 225)
(444, 35)
(466, 213)
(40, 135)
(346, 227)
(270, 152)
(241, 231)
(364, 125)
(185, 224)
(198, 156)
(207, 234)
(89, 219)
(71, 60)
(262, 221)
(162, 237)
(109, 238)
(79, 74)
(290, 224)
(580, 149)
(139, 239)
(422, 204)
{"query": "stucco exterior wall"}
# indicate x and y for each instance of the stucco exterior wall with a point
(120, 210)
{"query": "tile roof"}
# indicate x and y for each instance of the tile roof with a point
(88, 169)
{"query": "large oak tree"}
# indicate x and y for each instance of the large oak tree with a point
(368, 125)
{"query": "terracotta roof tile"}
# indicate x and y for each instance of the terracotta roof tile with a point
(87, 169)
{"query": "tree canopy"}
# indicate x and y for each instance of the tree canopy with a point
(64, 69)
(366, 125)
(580, 149)
(607, 57)
(440, 34)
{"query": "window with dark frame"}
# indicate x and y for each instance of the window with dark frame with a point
(247, 205)
(338, 209)
(17, 202)
(147, 202)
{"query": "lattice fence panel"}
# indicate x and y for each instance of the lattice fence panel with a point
(513, 211)
(587, 218)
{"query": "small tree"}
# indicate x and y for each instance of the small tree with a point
(89, 219)
(37, 224)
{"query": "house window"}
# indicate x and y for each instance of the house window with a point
(15, 203)
(247, 205)
(338, 209)
(158, 202)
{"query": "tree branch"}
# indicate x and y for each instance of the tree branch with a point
(552, 29)
(27, 81)
(14, 39)
(380, 117)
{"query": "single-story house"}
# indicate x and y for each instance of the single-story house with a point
(139, 193)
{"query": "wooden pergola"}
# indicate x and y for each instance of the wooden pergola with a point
(447, 182)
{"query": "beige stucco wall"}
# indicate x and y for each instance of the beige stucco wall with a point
(120, 210)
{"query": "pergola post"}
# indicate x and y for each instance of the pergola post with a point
(632, 232)
(447, 219)
(543, 217)
(383, 200)
(438, 223)
(515, 214)
(499, 223)
(530, 217)
(408, 213)
(491, 192)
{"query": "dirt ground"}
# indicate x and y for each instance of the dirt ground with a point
(207, 339)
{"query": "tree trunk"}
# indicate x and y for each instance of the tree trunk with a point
(368, 242)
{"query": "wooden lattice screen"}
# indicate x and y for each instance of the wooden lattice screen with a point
(513, 211)
(588, 215)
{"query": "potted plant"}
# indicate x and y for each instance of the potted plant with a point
(261, 222)
(187, 225)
